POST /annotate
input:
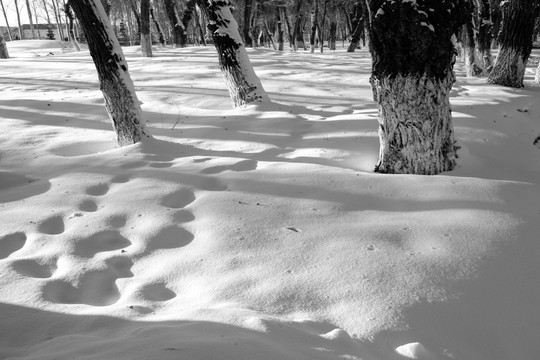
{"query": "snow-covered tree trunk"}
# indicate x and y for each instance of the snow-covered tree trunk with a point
(515, 42)
(412, 76)
(243, 84)
(473, 67)
(115, 82)
(3, 48)
(146, 36)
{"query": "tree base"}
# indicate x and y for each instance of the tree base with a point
(415, 124)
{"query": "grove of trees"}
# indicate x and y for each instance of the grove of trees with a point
(413, 43)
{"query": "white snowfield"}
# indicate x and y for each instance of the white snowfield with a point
(260, 233)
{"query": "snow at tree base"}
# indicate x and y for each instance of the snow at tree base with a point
(259, 233)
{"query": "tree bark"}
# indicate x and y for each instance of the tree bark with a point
(515, 42)
(243, 84)
(6, 18)
(298, 35)
(189, 9)
(412, 76)
(115, 82)
(3, 48)
(472, 65)
(146, 36)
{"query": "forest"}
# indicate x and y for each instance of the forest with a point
(284, 179)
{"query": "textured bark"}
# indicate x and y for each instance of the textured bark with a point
(243, 84)
(298, 35)
(3, 48)
(120, 99)
(515, 42)
(416, 132)
(198, 25)
(146, 36)
(412, 76)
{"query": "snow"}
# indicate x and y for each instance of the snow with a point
(259, 233)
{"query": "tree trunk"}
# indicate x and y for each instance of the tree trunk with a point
(186, 19)
(333, 29)
(72, 37)
(58, 21)
(537, 77)
(357, 25)
(515, 42)
(412, 76)
(158, 28)
(279, 26)
(321, 27)
(314, 17)
(18, 11)
(174, 21)
(286, 20)
(120, 99)
(485, 34)
(472, 66)
(30, 19)
(6, 18)
(243, 84)
(297, 30)
(248, 5)
(3, 48)
(146, 36)
(198, 25)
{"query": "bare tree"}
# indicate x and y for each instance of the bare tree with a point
(121, 101)
(18, 11)
(6, 18)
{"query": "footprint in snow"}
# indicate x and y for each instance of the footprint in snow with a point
(98, 190)
(11, 243)
(103, 241)
(96, 288)
(34, 268)
(52, 226)
(178, 199)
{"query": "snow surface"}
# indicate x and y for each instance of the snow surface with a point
(259, 233)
